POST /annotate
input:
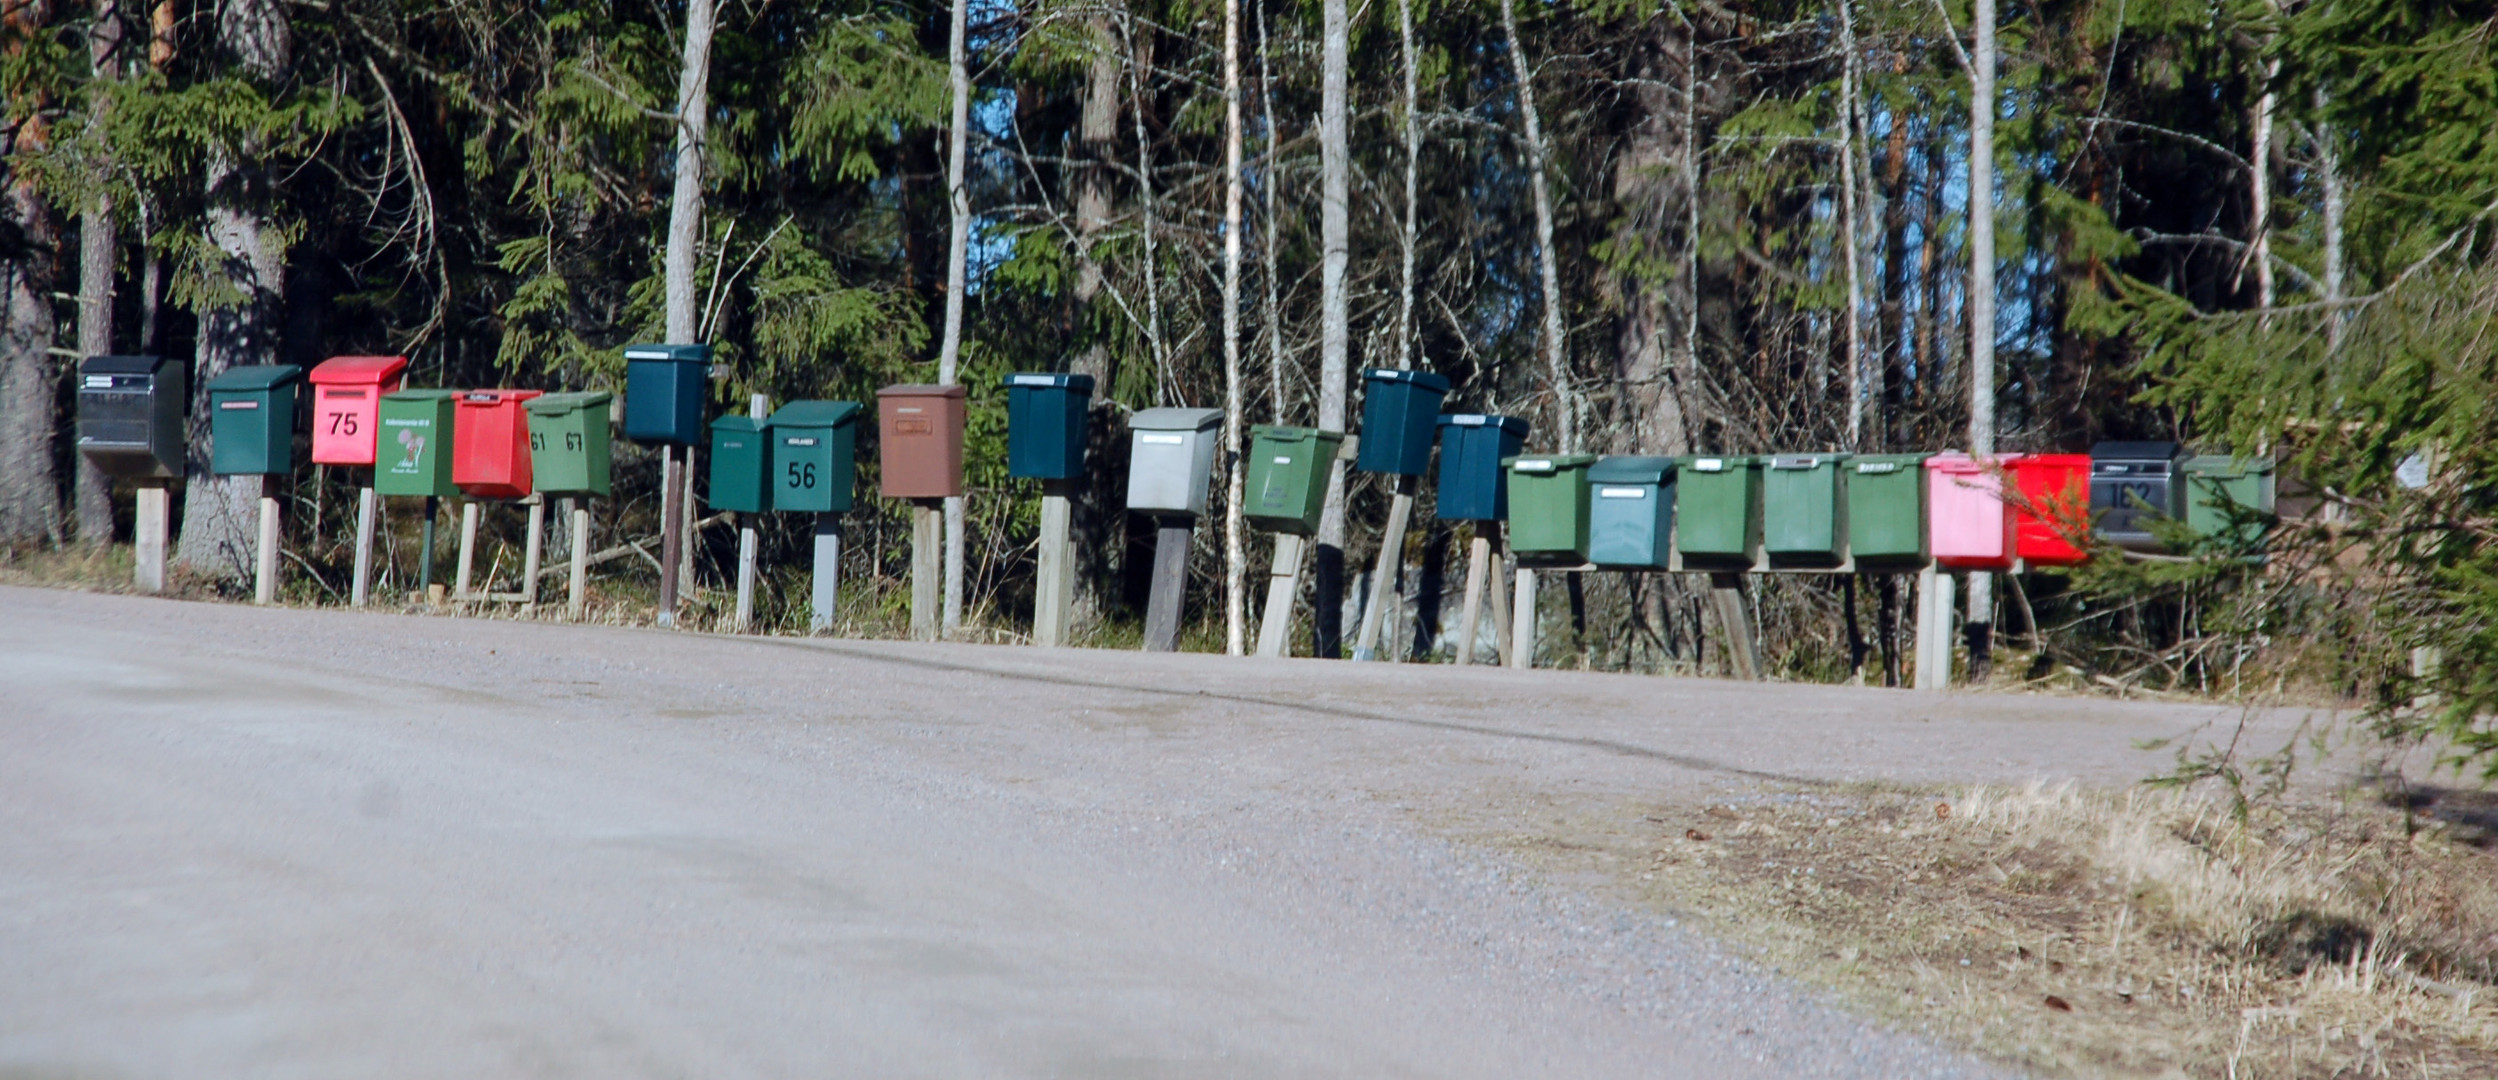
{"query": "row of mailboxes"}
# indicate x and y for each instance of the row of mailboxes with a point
(1720, 512)
(804, 459)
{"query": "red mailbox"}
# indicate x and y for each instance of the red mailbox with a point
(347, 403)
(490, 444)
(2056, 489)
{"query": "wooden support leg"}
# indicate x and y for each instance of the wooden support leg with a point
(671, 528)
(825, 593)
(265, 577)
(1053, 601)
(1522, 628)
(1478, 569)
(468, 551)
(1162, 605)
(1498, 590)
(1283, 586)
(532, 553)
(1734, 618)
(150, 533)
(425, 557)
(1934, 629)
(576, 598)
(927, 570)
(747, 541)
(360, 592)
(1383, 580)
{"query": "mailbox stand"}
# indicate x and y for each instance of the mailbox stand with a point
(468, 548)
(1391, 554)
(1046, 419)
(1170, 460)
(252, 424)
(1934, 628)
(535, 549)
(757, 408)
(1275, 619)
(148, 535)
(826, 593)
(1054, 595)
(1479, 564)
(347, 393)
(265, 568)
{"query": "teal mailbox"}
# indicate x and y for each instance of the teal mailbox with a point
(252, 419)
(741, 465)
(1045, 425)
(1630, 512)
(665, 386)
(814, 456)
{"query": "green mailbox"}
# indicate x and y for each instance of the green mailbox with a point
(415, 453)
(1630, 514)
(741, 465)
(2215, 483)
(1045, 424)
(1287, 479)
(1886, 511)
(568, 443)
(1804, 510)
(813, 456)
(252, 419)
(1548, 507)
(665, 388)
(1717, 511)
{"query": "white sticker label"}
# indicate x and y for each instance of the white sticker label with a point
(1709, 464)
(1171, 440)
(1467, 421)
(99, 382)
(1621, 493)
(908, 409)
(798, 442)
(1032, 380)
(238, 404)
(1283, 461)
(1871, 468)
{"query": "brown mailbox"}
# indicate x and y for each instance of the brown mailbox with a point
(920, 441)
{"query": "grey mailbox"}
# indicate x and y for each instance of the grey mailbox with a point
(130, 411)
(1170, 460)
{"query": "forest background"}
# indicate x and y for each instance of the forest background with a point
(2259, 227)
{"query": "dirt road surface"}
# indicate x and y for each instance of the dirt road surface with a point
(238, 842)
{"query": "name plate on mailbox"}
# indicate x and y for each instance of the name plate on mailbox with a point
(799, 442)
(238, 404)
(1170, 440)
(1621, 493)
(1708, 464)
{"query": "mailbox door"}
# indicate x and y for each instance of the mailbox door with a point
(490, 458)
(921, 442)
(1548, 507)
(1167, 473)
(2057, 488)
(2126, 497)
(1472, 485)
(1886, 516)
(345, 422)
(1628, 525)
(2217, 482)
(248, 435)
(664, 400)
(740, 456)
(812, 469)
(1287, 478)
(416, 450)
(1719, 519)
(1045, 426)
(1804, 508)
(130, 415)
(1968, 523)
(568, 448)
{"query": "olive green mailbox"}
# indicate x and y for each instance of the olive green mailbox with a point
(1886, 512)
(1717, 511)
(814, 456)
(1804, 510)
(252, 419)
(568, 443)
(2218, 485)
(741, 465)
(1548, 507)
(1287, 479)
(414, 457)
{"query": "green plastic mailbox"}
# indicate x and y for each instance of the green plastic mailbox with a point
(252, 419)
(1804, 510)
(568, 444)
(1718, 511)
(741, 465)
(1548, 507)
(1630, 514)
(415, 453)
(1045, 425)
(2215, 483)
(814, 456)
(1287, 479)
(665, 386)
(1886, 511)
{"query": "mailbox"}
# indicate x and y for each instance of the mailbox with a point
(1630, 512)
(568, 452)
(1968, 525)
(1287, 481)
(1398, 412)
(814, 455)
(346, 406)
(2132, 485)
(1472, 447)
(1718, 511)
(415, 454)
(665, 387)
(490, 444)
(1045, 425)
(1886, 511)
(130, 411)
(741, 465)
(1548, 507)
(2057, 489)
(920, 441)
(1804, 507)
(1170, 459)
(251, 414)
(2218, 485)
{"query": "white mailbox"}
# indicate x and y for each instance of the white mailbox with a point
(1170, 460)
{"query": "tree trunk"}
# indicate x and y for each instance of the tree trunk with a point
(30, 509)
(1096, 518)
(1235, 549)
(1652, 189)
(1405, 345)
(1850, 142)
(2329, 169)
(958, 245)
(1981, 303)
(685, 204)
(96, 243)
(1556, 363)
(1335, 331)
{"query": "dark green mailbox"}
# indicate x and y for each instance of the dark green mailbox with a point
(1630, 512)
(252, 419)
(1886, 512)
(1548, 507)
(1045, 425)
(1287, 479)
(1472, 447)
(568, 444)
(741, 465)
(1717, 511)
(414, 457)
(665, 387)
(814, 456)
(1804, 510)
(130, 411)
(1398, 412)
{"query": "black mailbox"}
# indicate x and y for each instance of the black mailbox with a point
(2133, 484)
(130, 411)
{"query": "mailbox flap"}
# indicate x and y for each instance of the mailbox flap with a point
(1081, 384)
(120, 365)
(682, 354)
(255, 377)
(1278, 433)
(1803, 461)
(742, 425)
(358, 370)
(1427, 380)
(2226, 467)
(491, 398)
(2159, 452)
(559, 404)
(1623, 469)
(1175, 419)
(1515, 425)
(819, 414)
(923, 390)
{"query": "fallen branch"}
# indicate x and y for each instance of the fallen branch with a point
(630, 547)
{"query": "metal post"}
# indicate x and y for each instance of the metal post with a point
(577, 598)
(532, 552)
(826, 594)
(468, 550)
(265, 576)
(1383, 580)
(671, 526)
(361, 591)
(148, 537)
(1478, 570)
(425, 559)
(1522, 627)
(748, 541)
(1283, 585)
(927, 570)
(1162, 605)
(1054, 595)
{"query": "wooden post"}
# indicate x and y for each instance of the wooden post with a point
(468, 550)
(927, 569)
(671, 540)
(577, 598)
(148, 537)
(1054, 595)
(1522, 628)
(1383, 581)
(748, 541)
(425, 558)
(1499, 591)
(1734, 617)
(1934, 629)
(265, 575)
(532, 552)
(826, 592)
(1478, 570)
(1283, 586)
(360, 592)
(1162, 605)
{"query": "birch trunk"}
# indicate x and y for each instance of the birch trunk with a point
(1981, 302)
(1850, 139)
(958, 247)
(2259, 213)
(1334, 331)
(685, 206)
(1235, 552)
(1405, 354)
(94, 495)
(2329, 168)
(1269, 181)
(1556, 368)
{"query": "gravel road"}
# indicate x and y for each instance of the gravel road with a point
(284, 843)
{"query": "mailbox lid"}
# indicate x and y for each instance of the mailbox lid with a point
(1886, 511)
(812, 455)
(1472, 447)
(1069, 381)
(1400, 408)
(920, 440)
(1804, 506)
(1286, 483)
(1175, 419)
(810, 414)
(1630, 514)
(346, 402)
(414, 455)
(1969, 526)
(666, 386)
(569, 402)
(1718, 509)
(253, 377)
(359, 371)
(130, 414)
(741, 454)
(2057, 489)
(1548, 506)
(1629, 469)
(251, 419)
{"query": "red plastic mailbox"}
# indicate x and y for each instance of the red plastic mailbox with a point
(1968, 524)
(346, 405)
(2056, 488)
(490, 444)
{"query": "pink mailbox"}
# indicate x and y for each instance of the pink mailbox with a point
(346, 403)
(1967, 521)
